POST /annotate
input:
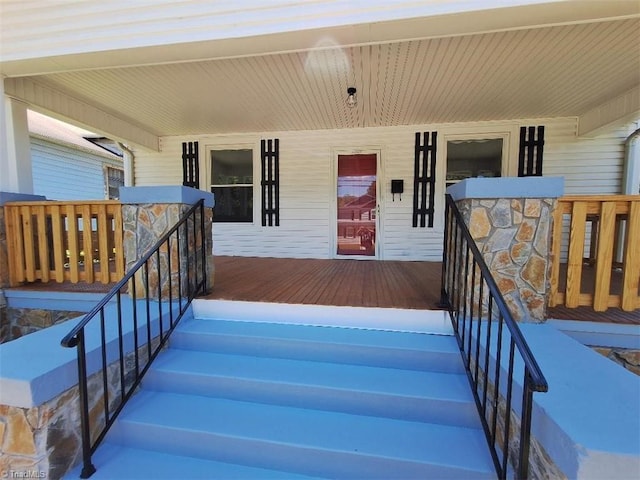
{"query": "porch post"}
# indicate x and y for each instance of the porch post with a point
(148, 213)
(510, 220)
(15, 148)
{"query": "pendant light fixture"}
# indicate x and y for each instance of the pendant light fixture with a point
(352, 100)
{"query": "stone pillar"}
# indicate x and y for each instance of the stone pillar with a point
(510, 220)
(148, 213)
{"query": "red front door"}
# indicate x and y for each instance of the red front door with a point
(357, 204)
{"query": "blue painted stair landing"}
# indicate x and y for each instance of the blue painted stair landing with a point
(253, 399)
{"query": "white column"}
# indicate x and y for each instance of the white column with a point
(4, 154)
(15, 150)
(631, 176)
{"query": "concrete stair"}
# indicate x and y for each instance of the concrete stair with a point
(243, 399)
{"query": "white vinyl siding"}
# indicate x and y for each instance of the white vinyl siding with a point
(589, 166)
(307, 186)
(63, 173)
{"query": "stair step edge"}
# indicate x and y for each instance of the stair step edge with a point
(252, 421)
(364, 378)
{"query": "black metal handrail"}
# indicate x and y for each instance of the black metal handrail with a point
(148, 335)
(476, 306)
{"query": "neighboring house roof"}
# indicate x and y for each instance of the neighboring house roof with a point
(48, 128)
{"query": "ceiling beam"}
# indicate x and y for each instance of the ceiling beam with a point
(78, 112)
(618, 111)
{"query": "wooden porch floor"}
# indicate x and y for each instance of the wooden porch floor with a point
(391, 284)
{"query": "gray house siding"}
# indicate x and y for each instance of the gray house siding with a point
(63, 173)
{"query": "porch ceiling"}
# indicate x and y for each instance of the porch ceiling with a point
(534, 72)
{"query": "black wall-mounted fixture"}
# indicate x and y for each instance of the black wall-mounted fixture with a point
(397, 186)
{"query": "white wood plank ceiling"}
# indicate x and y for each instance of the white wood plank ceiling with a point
(536, 72)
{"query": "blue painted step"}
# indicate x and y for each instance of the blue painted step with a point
(415, 395)
(416, 351)
(116, 462)
(311, 442)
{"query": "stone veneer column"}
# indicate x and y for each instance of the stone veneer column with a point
(148, 213)
(510, 220)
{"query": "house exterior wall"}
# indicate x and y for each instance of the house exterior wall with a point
(307, 181)
(64, 173)
(590, 166)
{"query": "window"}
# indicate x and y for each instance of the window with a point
(114, 179)
(232, 185)
(473, 158)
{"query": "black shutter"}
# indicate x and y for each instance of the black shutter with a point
(424, 179)
(531, 150)
(270, 155)
(190, 167)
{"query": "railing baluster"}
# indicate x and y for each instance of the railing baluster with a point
(159, 272)
(203, 244)
(103, 244)
(186, 240)
(470, 337)
(169, 274)
(87, 467)
(466, 287)
(487, 356)
(136, 343)
(472, 300)
(148, 309)
(105, 372)
(507, 413)
(120, 346)
(195, 256)
(179, 247)
(454, 270)
(479, 332)
(43, 244)
(496, 388)
(87, 243)
(58, 242)
(444, 271)
(525, 427)
(29, 248)
(72, 243)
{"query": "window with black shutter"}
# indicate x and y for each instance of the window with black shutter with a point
(232, 185)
